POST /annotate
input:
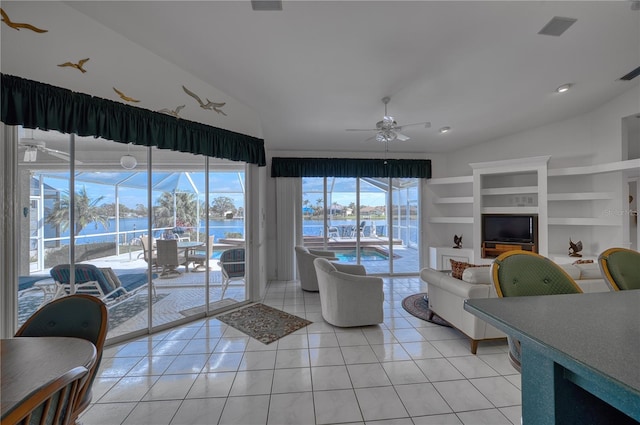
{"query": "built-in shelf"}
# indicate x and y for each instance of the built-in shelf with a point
(580, 196)
(630, 164)
(509, 210)
(577, 221)
(451, 180)
(455, 220)
(509, 190)
(454, 200)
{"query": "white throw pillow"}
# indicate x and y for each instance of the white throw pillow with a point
(477, 275)
(571, 270)
(589, 271)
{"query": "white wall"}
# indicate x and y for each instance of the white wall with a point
(592, 138)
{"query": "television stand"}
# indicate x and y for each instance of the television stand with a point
(494, 249)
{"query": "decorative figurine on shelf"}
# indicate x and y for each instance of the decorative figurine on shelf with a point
(458, 241)
(575, 248)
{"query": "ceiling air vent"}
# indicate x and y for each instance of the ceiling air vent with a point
(266, 4)
(557, 26)
(630, 76)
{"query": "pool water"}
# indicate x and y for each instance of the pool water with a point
(349, 256)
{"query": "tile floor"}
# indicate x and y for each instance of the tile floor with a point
(405, 371)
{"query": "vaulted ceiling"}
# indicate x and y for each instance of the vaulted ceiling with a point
(301, 76)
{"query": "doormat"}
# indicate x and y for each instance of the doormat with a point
(264, 323)
(418, 305)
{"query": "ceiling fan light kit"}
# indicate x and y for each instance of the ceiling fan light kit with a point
(387, 129)
(128, 161)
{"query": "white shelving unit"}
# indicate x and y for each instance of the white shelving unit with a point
(570, 202)
(516, 186)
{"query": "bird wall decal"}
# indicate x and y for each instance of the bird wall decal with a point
(79, 66)
(124, 96)
(173, 113)
(209, 105)
(18, 25)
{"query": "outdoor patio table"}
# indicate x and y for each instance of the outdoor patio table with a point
(185, 247)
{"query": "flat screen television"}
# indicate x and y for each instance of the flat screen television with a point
(509, 228)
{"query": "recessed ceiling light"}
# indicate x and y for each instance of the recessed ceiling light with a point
(564, 88)
(444, 130)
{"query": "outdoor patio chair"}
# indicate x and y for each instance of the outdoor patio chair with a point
(147, 253)
(524, 273)
(200, 256)
(168, 258)
(102, 283)
(620, 268)
(78, 316)
(232, 266)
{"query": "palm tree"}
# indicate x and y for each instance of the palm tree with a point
(86, 212)
(185, 212)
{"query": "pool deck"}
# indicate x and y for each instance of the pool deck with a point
(318, 242)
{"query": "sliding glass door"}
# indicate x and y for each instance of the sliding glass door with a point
(369, 221)
(109, 211)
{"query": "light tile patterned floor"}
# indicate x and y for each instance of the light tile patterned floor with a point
(405, 371)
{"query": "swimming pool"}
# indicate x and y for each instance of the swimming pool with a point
(366, 254)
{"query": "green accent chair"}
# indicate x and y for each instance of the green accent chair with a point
(523, 274)
(78, 316)
(620, 268)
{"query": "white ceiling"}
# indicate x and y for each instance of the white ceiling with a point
(317, 68)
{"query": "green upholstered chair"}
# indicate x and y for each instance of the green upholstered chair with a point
(524, 273)
(78, 316)
(620, 268)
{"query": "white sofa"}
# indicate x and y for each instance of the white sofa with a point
(447, 295)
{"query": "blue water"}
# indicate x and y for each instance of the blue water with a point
(137, 226)
(349, 256)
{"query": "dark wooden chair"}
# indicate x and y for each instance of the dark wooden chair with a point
(52, 404)
(80, 316)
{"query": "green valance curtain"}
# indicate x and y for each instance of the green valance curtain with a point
(38, 105)
(346, 167)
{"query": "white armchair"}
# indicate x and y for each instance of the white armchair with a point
(347, 295)
(306, 270)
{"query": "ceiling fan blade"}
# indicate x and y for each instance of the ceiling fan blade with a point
(361, 129)
(401, 137)
(59, 154)
(426, 124)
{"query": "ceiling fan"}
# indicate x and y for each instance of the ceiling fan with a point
(32, 146)
(388, 130)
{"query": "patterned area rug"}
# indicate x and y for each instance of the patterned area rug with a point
(418, 305)
(264, 323)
